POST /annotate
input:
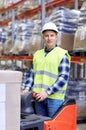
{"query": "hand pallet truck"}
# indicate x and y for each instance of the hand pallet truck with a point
(63, 119)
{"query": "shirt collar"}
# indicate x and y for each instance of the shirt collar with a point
(50, 49)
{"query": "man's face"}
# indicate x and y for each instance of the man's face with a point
(50, 39)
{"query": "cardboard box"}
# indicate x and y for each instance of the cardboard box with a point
(80, 38)
(66, 41)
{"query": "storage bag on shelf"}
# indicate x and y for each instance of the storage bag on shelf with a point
(80, 35)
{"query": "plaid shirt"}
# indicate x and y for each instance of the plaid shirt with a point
(62, 79)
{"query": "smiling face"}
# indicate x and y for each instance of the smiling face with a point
(50, 39)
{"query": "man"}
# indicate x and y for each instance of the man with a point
(50, 73)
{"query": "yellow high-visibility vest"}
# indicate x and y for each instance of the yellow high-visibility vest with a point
(46, 71)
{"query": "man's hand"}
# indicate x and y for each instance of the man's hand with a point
(41, 96)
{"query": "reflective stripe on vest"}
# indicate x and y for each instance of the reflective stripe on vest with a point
(45, 87)
(46, 73)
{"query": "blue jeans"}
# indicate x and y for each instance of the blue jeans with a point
(47, 107)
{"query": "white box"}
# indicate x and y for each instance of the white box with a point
(10, 83)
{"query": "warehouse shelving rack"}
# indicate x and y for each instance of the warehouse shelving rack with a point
(80, 58)
(28, 14)
(31, 12)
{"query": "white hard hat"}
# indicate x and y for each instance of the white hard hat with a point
(49, 26)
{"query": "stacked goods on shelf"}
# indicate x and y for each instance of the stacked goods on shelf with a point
(77, 70)
(1, 4)
(7, 3)
(80, 35)
(77, 90)
(66, 21)
(28, 4)
(7, 49)
(2, 39)
(35, 39)
(23, 35)
(28, 38)
(8, 43)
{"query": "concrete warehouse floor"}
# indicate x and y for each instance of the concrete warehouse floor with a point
(81, 126)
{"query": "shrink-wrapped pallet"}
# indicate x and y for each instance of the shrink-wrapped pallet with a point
(80, 38)
(10, 84)
(77, 90)
(80, 35)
